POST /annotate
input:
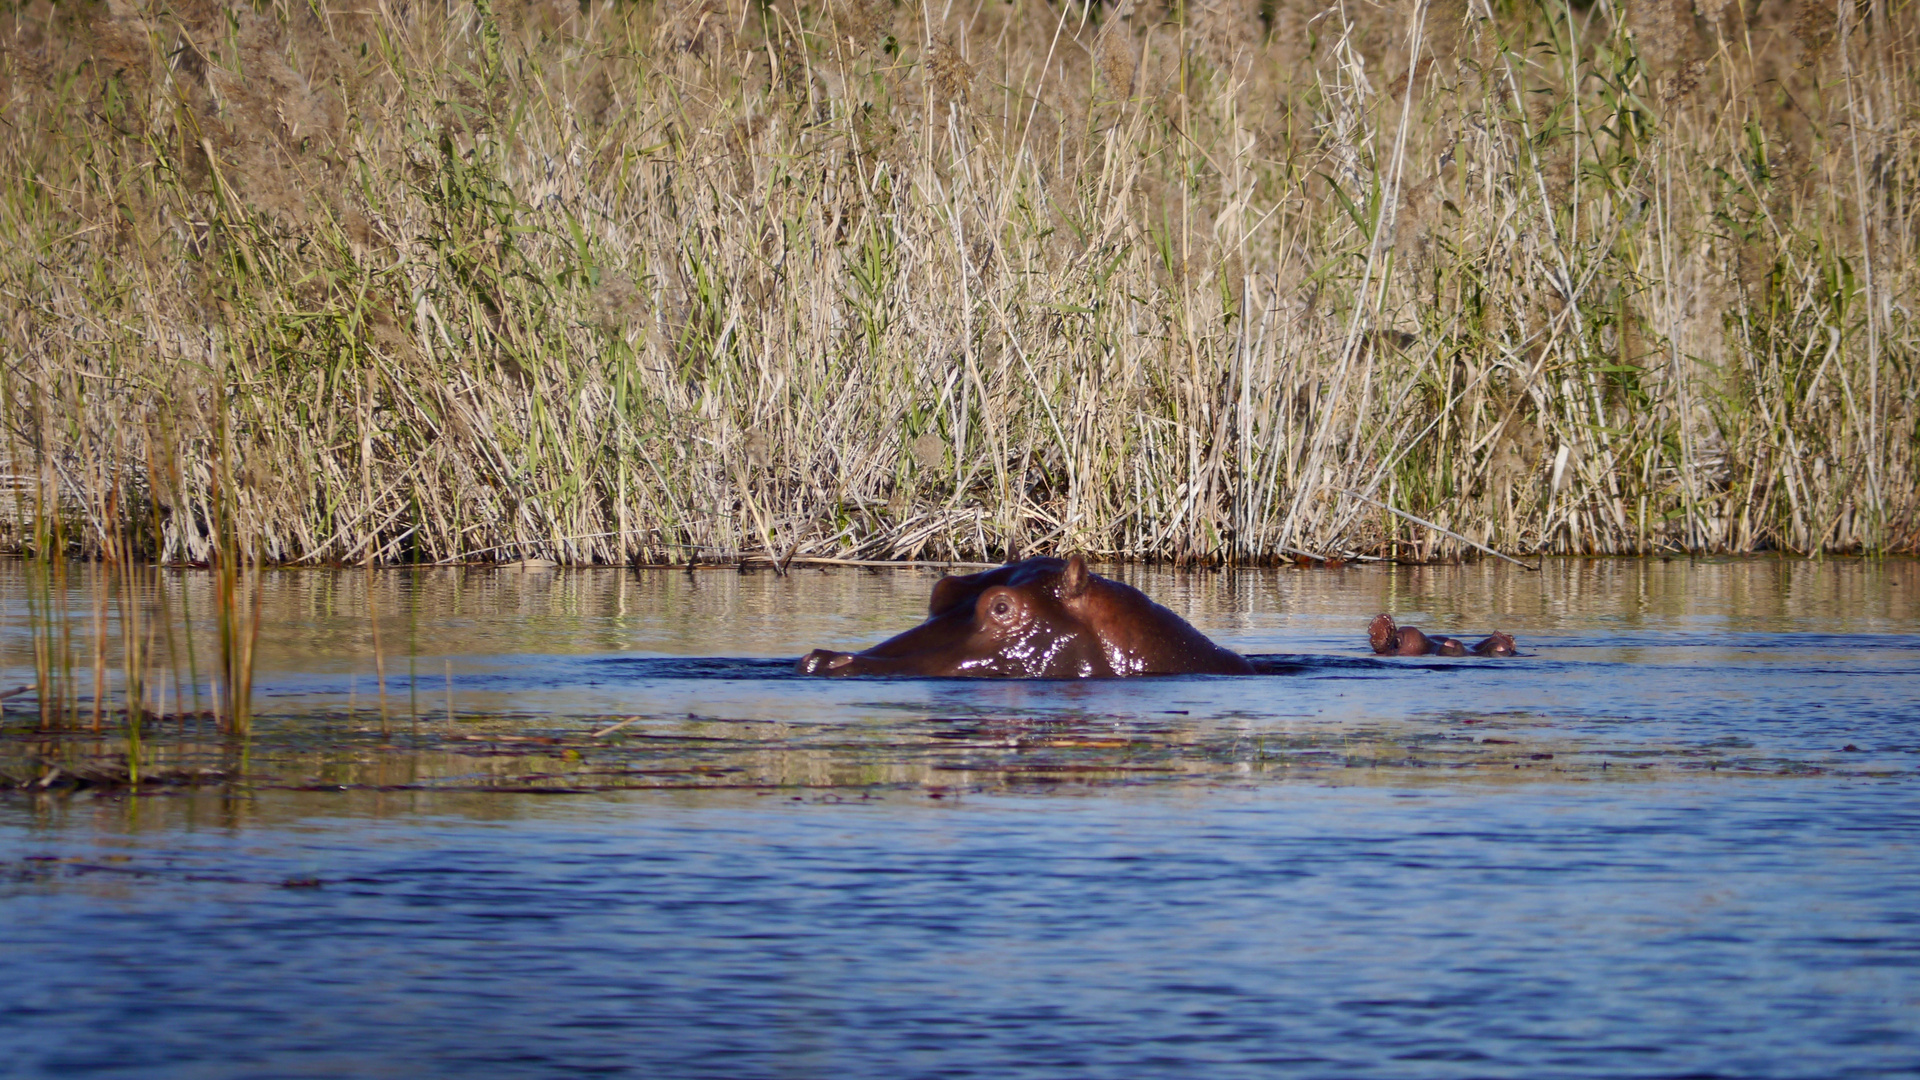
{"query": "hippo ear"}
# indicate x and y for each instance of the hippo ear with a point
(1074, 579)
(947, 592)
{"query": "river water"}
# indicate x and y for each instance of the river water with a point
(598, 827)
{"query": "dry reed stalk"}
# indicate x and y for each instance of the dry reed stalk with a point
(679, 282)
(379, 656)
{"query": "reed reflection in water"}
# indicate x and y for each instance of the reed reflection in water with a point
(569, 680)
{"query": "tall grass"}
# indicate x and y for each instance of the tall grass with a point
(659, 282)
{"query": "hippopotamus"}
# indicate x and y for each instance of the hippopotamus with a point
(1390, 640)
(1049, 618)
(1040, 618)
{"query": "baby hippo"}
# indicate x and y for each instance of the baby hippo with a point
(1390, 640)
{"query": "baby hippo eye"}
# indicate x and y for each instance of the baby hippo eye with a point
(1000, 607)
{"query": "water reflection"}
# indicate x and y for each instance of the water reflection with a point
(570, 680)
(322, 620)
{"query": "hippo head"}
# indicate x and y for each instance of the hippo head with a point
(1390, 639)
(1041, 618)
(1496, 644)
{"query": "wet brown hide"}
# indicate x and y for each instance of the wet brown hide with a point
(1041, 618)
(1389, 639)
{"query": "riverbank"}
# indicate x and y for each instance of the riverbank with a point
(666, 283)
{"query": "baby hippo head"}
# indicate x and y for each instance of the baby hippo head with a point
(1391, 639)
(1496, 644)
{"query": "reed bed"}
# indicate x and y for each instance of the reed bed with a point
(1215, 282)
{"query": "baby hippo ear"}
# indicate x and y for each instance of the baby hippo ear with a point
(1075, 578)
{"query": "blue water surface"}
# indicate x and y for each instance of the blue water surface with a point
(1736, 927)
(1715, 874)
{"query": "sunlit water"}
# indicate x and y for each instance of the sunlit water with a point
(1678, 837)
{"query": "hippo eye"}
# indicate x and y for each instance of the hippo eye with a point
(999, 607)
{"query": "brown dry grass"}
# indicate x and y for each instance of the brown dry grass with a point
(660, 282)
